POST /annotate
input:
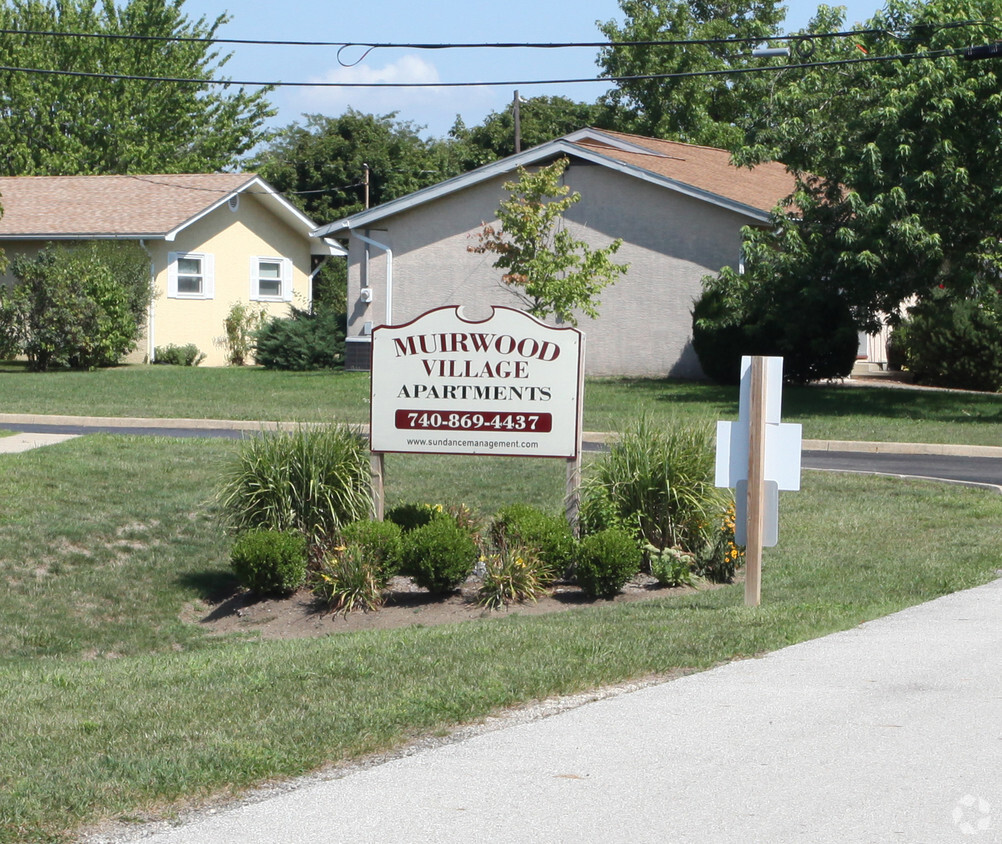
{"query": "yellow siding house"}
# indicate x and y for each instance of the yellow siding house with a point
(213, 239)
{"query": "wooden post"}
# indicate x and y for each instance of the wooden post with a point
(756, 483)
(572, 498)
(376, 474)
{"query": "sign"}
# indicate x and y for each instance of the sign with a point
(782, 445)
(507, 385)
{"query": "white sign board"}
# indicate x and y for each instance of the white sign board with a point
(507, 385)
(782, 451)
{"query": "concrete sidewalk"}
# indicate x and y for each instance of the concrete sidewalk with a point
(891, 731)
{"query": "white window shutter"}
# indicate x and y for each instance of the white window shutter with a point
(209, 277)
(286, 280)
(255, 284)
(172, 275)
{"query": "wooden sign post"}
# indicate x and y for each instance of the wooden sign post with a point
(758, 456)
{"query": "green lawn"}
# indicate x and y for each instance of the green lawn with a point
(113, 706)
(826, 412)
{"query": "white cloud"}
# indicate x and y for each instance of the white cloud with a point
(435, 108)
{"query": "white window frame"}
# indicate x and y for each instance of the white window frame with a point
(285, 275)
(207, 261)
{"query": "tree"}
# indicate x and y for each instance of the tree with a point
(702, 109)
(542, 119)
(320, 165)
(56, 124)
(551, 271)
(83, 307)
(899, 162)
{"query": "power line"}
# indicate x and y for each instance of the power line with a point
(935, 54)
(535, 45)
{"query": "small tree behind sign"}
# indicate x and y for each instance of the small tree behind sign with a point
(551, 271)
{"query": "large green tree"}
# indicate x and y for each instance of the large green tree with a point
(57, 124)
(541, 119)
(700, 109)
(898, 157)
(320, 163)
(899, 161)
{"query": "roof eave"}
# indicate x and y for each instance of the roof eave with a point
(561, 146)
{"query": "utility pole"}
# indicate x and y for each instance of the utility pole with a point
(518, 122)
(365, 167)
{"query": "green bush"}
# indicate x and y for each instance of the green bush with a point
(241, 324)
(811, 328)
(439, 556)
(302, 341)
(657, 482)
(953, 342)
(606, 560)
(411, 516)
(171, 355)
(269, 562)
(381, 544)
(80, 307)
(347, 579)
(547, 537)
(309, 480)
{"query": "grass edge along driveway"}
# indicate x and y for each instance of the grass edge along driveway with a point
(159, 716)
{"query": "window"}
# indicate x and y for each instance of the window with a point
(190, 275)
(271, 280)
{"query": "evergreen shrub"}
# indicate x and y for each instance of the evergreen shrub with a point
(439, 555)
(546, 536)
(269, 562)
(606, 560)
(952, 342)
(302, 341)
(381, 544)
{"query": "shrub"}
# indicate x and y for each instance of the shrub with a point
(381, 544)
(606, 560)
(269, 562)
(658, 483)
(171, 355)
(310, 480)
(240, 325)
(735, 316)
(411, 516)
(546, 536)
(302, 341)
(347, 579)
(671, 567)
(952, 342)
(80, 307)
(439, 556)
(513, 575)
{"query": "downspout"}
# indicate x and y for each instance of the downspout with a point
(313, 275)
(150, 339)
(389, 271)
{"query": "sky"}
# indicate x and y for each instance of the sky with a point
(431, 110)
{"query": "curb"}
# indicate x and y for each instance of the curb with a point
(855, 446)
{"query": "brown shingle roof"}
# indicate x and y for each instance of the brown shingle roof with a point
(705, 168)
(109, 206)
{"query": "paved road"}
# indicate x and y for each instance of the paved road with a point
(962, 469)
(887, 732)
(955, 467)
